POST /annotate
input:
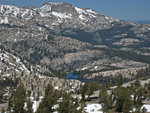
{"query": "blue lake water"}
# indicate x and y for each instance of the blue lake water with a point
(75, 77)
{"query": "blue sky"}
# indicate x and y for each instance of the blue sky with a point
(120, 9)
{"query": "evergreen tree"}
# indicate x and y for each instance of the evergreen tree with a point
(51, 96)
(1, 93)
(29, 106)
(123, 99)
(127, 105)
(88, 88)
(82, 104)
(138, 93)
(106, 99)
(83, 92)
(48, 90)
(19, 100)
(120, 99)
(10, 103)
(137, 84)
(68, 104)
(120, 82)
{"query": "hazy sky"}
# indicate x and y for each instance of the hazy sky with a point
(120, 9)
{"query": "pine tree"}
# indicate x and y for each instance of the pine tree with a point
(1, 93)
(120, 99)
(82, 104)
(48, 90)
(10, 103)
(106, 99)
(88, 89)
(51, 96)
(19, 100)
(83, 91)
(66, 106)
(137, 84)
(120, 82)
(76, 105)
(29, 106)
(138, 94)
(127, 105)
(123, 99)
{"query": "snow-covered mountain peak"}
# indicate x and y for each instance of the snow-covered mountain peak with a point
(13, 11)
(53, 14)
(62, 11)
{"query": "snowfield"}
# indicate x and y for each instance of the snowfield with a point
(93, 108)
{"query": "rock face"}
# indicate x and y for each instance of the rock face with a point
(64, 37)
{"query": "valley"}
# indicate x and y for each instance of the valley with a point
(65, 54)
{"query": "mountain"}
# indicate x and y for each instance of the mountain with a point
(141, 21)
(64, 37)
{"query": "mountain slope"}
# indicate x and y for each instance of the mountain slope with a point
(64, 37)
(15, 70)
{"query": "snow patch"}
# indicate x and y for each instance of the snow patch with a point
(62, 15)
(82, 17)
(55, 24)
(45, 14)
(8, 10)
(107, 18)
(56, 87)
(36, 104)
(84, 68)
(55, 106)
(79, 10)
(41, 76)
(7, 75)
(4, 21)
(90, 11)
(96, 67)
(15, 40)
(93, 108)
(12, 64)
(22, 67)
(45, 8)
(147, 107)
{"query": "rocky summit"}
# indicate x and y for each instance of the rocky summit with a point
(64, 37)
